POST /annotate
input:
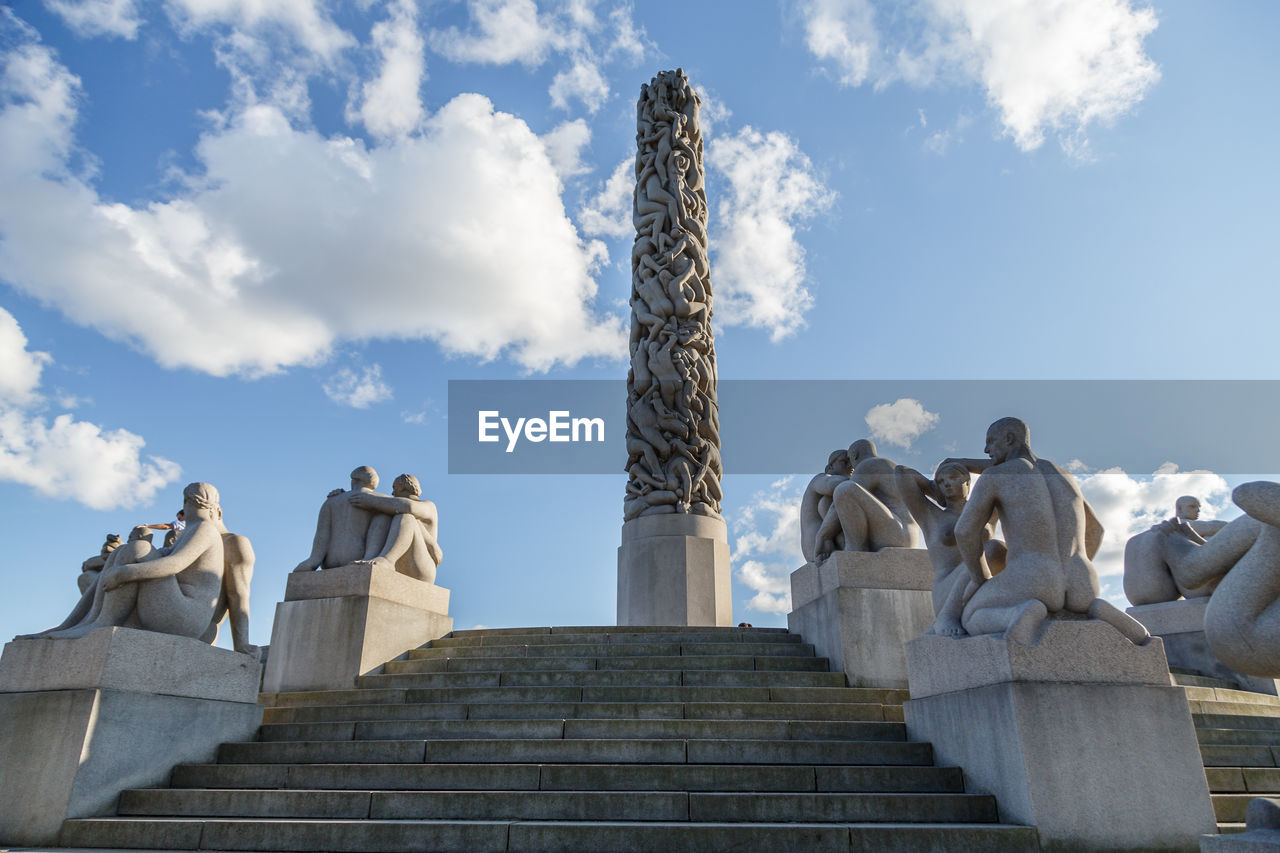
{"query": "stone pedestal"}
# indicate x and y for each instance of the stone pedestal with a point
(1080, 735)
(859, 609)
(674, 570)
(82, 720)
(1180, 624)
(335, 625)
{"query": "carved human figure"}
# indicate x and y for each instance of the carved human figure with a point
(172, 593)
(342, 527)
(867, 509)
(1148, 577)
(1051, 534)
(936, 506)
(233, 599)
(90, 568)
(403, 533)
(817, 500)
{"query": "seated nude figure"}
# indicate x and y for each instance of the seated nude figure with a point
(1148, 577)
(343, 527)
(817, 500)
(867, 509)
(403, 533)
(1051, 534)
(90, 568)
(936, 506)
(172, 593)
(233, 601)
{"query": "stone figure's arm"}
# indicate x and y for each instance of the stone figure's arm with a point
(971, 526)
(162, 567)
(913, 486)
(975, 466)
(1093, 531)
(320, 544)
(384, 504)
(94, 563)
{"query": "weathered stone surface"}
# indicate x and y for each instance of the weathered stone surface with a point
(129, 659)
(1082, 651)
(892, 568)
(1180, 626)
(674, 570)
(367, 579)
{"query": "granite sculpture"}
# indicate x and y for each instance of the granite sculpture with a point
(1051, 534)
(673, 427)
(867, 512)
(90, 568)
(817, 500)
(1148, 576)
(170, 592)
(936, 506)
(361, 526)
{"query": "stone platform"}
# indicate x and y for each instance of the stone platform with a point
(1180, 625)
(673, 569)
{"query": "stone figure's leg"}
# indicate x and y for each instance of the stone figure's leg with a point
(237, 575)
(1082, 584)
(376, 539)
(115, 608)
(848, 502)
(997, 555)
(947, 621)
(78, 613)
(407, 550)
(164, 606)
(826, 540)
(999, 605)
(210, 635)
(1195, 565)
(1133, 630)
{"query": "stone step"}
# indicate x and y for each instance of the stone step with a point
(575, 777)
(563, 805)
(606, 678)
(1239, 737)
(1258, 781)
(1230, 808)
(1183, 679)
(596, 751)
(696, 630)
(1234, 696)
(1239, 708)
(682, 693)
(1238, 756)
(600, 650)
(541, 836)
(1230, 720)
(584, 728)
(615, 636)
(681, 662)
(849, 711)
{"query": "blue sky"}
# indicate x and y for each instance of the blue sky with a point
(251, 242)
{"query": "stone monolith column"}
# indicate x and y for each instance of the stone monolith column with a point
(673, 564)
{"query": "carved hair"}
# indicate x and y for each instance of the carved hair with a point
(951, 466)
(409, 483)
(202, 495)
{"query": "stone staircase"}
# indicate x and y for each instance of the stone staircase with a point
(574, 739)
(1239, 734)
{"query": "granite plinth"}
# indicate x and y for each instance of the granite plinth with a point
(1077, 735)
(113, 710)
(1180, 624)
(860, 608)
(338, 624)
(674, 570)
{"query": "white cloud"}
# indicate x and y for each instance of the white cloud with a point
(608, 212)
(305, 21)
(900, 422)
(564, 146)
(759, 263)
(289, 241)
(88, 18)
(502, 31)
(357, 390)
(767, 545)
(390, 105)
(1046, 66)
(581, 81)
(628, 41)
(66, 459)
(1129, 504)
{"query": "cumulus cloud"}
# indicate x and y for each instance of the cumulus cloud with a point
(581, 81)
(287, 241)
(67, 459)
(1129, 504)
(88, 18)
(305, 21)
(501, 31)
(357, 390)
(564, 146)
(390, 105)
(900, 422)
(773, 189)
(767, 545)
(1055, 66)
(608, 212)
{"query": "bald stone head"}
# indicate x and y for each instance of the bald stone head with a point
(863, 448)
(1007, 438)
(1187, 507)
(364, 477)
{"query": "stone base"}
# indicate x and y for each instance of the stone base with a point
(1180, 624)
(1081, 735)
(859, 609)
(114, 710)
(1261, 835)
(338, 624)
(674, 570)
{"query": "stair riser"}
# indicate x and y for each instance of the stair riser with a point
(789, 663)
(611, 638)
(600, 650)
(606, 678)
